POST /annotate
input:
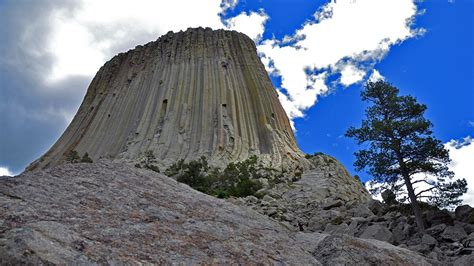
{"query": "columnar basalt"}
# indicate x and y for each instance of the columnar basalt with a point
(188, 94)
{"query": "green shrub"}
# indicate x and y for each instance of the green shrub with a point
(236, 180)
(72, 157)
(86, 159)
(245, 187)
(149, 162)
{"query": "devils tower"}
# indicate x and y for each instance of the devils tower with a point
(188, 94)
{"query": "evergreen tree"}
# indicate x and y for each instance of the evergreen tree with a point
(401, 151)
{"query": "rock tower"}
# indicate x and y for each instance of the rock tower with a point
(189, 94)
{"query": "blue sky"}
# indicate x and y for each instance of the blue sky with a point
(51, 49)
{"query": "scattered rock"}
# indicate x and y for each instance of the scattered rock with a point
(376, 207)
(377, 232)
(333, 204)
(361, 211)
(454, 233)
(435, 230)
(465, 213)
(428, 240)
(466, 260)
(268, 199)
(389, 197)
(435, 217)
(345, 250)
(336, 229)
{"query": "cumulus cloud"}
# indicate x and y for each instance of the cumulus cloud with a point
(228, 5)
(84, 37)
(375, 76)
(462, 154)
(252, 24)
(345, 38)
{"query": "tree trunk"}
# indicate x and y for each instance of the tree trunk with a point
(411, 193)
(414, 204)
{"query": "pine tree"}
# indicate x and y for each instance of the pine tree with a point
(401, 150)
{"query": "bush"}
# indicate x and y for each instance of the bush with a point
(149, 158)
(72, 157)
(236, 180)
(86, 159)
(149, 162)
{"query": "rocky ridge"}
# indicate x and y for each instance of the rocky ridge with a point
(448, 239)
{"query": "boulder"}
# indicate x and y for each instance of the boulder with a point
(342, 228)
(389, 197)
(466, 260)
(435, 230)
(361, 211)
(435, 217)
(465, 213)
(469, 228)
(333, 204)
(454, 233)
(268, 199)
(428, 240)
(377, 232)
(376, 207)
(400, 232)
(346, 250)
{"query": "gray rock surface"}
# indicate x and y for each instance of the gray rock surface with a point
(466, 260)
(188, 94)
(110, 213)
(465, 213)
(345, 250)
(454, 233)
(314, 200)
(377, 232)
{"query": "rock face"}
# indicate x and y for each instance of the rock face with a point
(111, 213)
(310, 202)
(188, 94)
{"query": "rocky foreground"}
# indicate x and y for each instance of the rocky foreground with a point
(109, 213)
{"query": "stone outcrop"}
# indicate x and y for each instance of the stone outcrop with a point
(188, 94)
(112, 213)
(309, 201)
(449, 237)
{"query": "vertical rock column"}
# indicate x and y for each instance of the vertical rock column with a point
(188, 94)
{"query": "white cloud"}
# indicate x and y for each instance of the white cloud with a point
(351, 74)
(347, 37)
(84, 37)
(228, 5)
(252, 24)
(462, 156)
(375, 76)
(4, 171)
